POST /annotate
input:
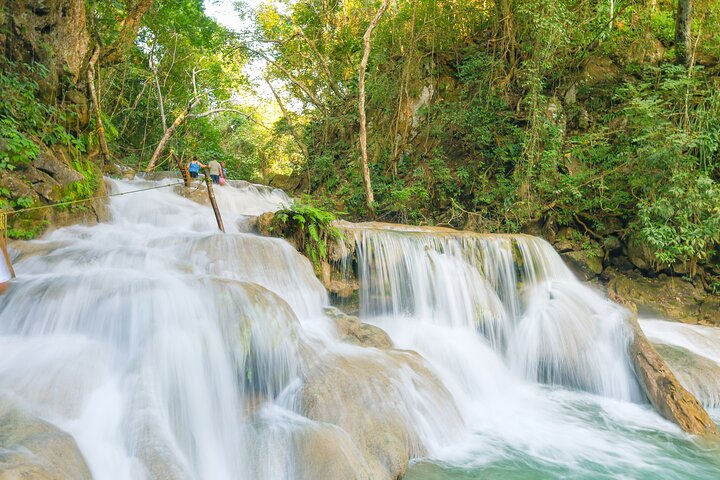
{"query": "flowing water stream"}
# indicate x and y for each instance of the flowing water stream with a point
(171, 351)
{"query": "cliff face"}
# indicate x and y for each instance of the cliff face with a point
(54, 34)
(47, 42)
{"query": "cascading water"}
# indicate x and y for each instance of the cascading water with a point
(693, 352)
(171, 351)
(540, 321)
(536, 360)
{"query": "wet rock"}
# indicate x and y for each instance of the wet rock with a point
(288, 183)
(328, 452)
(665, 392)
(669, 297)
(640, 253)
(587, 264)
(710, 311)
(33, 449)
(698, 374)
(377, 399)
(52, 163)
(264, 224)
(352, 330)
(336, 283)
(196, 193)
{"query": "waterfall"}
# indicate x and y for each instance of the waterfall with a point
(512, 291)
(171, 351)
(693, 353)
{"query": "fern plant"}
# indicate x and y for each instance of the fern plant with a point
(310, 227)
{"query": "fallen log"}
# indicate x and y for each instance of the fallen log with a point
(664, 391)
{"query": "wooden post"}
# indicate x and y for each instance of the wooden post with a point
(3, 245)
(183, 168)
(211, 194)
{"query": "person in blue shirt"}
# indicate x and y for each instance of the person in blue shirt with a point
(194, 167)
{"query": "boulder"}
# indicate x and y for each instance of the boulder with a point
(52, 163)
(599, 70)
(710, 311)
(352, 330)
(662, 388)
(640, 253)
(33, 449)
(698, 374)
(264, 224)
(668, 297)
(43, 184)
(586, 264)
(336, 283)
(196, 193)
(566, 240)
(17, 187)
(288, 183)
(387, 402)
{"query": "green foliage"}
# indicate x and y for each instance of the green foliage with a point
(681, 221)
(85, 188)
(310, 226)
(22, 116)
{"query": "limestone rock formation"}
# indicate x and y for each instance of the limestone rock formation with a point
(665, 392)
(698, 374)
(385, 402)
(586, 264)
(33, 449)
(669, 297)
(52, 33)
(352, 330)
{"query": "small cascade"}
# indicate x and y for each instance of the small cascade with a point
(514, 292)
(693, 353)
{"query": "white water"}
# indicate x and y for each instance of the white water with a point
(170, 350)
(695, 356)
(536, 360)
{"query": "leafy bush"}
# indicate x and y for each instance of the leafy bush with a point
(310, 226)
(682, 223)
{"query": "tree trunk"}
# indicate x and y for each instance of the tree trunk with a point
(682, 32)
(161, 102)
(168, 133)
(95, 101)
(505, 41)
(369, 197)
(183, 169)
(322, 59)
(263, 165)
(293, 132)
(128, 30)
